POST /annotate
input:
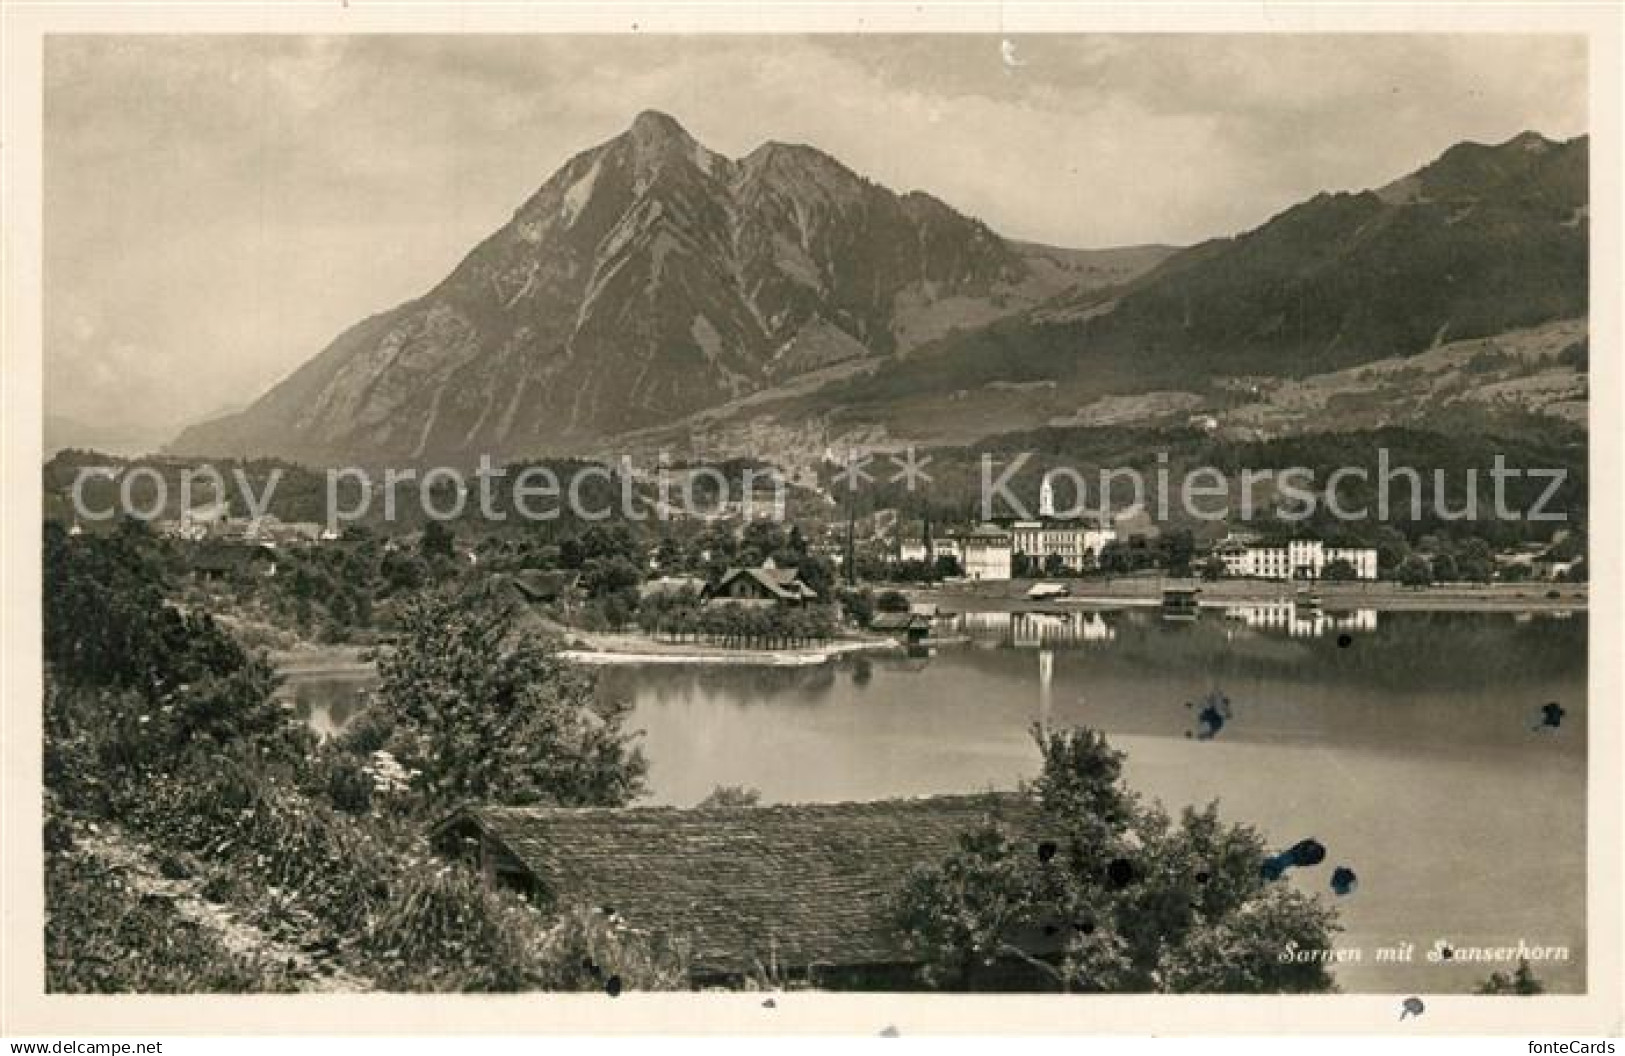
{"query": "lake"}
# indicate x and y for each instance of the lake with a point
(1408, 743)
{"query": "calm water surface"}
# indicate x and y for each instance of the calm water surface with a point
(1404, 742)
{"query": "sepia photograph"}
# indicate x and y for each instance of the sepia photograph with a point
(1074, 513)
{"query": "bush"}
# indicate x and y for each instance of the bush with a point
(1116, 886)
(102, 938)
(491, 714)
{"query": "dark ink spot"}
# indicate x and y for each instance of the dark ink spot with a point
(1302, 853)
(1308, 852)
(1411, 1006)
(1344, 881)
(1345, 640)
(770, 1003)
(1046, 851)
(1120, 873)
(613, 986)
(1551, 716)
(1211, 719)
(1448, 954)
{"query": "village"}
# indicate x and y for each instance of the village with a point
(743, 585)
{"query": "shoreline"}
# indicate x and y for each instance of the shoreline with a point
(666, 653)
(1097, 596)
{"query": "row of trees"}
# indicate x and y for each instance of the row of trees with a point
(680, 616)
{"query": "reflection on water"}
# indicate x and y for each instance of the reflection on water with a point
(1300, 622)
(1403, 742)
(1031, 629)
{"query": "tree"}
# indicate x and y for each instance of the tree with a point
(1392, 548)
(1444, 569)
(1176, 548)
(1521, 982)
(1213, 568)
(1115, 558)
(1339, 570)
(892, 601)
(488, 714)
(609, 575)
(1415, 571)
(437, 541)
(731, 796)
(1475, 561)
(817, 571)
(1127, 898)
(1054, 565)
(858, 606)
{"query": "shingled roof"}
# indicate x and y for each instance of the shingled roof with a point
(537, 585)
(782, 584)
(798, 885)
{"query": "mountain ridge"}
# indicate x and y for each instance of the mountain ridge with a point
(651, 288)
(646, 279)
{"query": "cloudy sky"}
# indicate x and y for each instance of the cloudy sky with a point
(218, 208)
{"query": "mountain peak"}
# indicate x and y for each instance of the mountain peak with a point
(654, 126)
(1530, 141)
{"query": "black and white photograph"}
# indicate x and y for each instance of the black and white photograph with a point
(760, 515)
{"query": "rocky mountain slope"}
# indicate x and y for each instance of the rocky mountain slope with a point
(650, 278)
(1485, 240)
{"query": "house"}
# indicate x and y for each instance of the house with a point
(913, 627)
(806, 888)
(913, 548)
(1075, 544)
(767, 585)
(1297, 559)
(672, 585)
(535, 586)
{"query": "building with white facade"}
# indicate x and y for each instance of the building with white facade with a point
(986, 552)
(1077, 543)
(1297, 559)
(914, 549)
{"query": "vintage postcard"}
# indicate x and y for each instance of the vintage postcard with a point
(705, 521)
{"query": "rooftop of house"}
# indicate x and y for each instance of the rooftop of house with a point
(540, 585)
(899, 621)
(672, 585)
(781, 583)
(800, 885)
